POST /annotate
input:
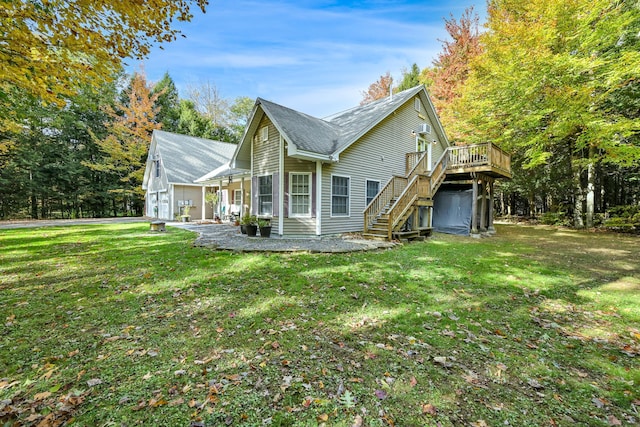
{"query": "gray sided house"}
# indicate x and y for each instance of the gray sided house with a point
(374, 169)
(173, 164)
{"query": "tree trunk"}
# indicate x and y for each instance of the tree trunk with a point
(578, 221)
(591, 186)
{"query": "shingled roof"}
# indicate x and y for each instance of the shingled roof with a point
(312, 138)
(186, 158)
(334, 133)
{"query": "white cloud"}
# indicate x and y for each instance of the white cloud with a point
(311, 55)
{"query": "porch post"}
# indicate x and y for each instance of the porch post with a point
(483, 205)
(491, 230)
(474, 207)
(219, 202)
(203, 204)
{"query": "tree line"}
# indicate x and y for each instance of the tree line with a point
(557, 84)
(86, 158)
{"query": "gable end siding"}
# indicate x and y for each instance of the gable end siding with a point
(378, 155)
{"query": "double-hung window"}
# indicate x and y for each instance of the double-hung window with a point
(339, 195)
(265, 195)
(300, 194)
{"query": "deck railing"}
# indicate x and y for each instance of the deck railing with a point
(487, 154)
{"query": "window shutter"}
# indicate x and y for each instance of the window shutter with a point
(275, 192)
(314, 191)
(286, 195)
(254, 195)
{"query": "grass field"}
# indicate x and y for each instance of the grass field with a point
(116, 326)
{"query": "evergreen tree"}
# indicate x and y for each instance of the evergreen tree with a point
(168, 103)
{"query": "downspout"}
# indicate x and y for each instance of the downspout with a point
(281, 188)
(318, 198)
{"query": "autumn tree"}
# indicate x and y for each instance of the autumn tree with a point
(555, 82)
(127, 143)
(451, 67)
(50, 48)
(378, 89)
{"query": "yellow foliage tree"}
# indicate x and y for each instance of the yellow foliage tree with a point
(48, 48)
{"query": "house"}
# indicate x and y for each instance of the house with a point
(173, 164)
(374, 169)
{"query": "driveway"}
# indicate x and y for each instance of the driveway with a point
(228, 237)
(33, 223)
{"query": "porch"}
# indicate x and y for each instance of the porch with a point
(404, 206)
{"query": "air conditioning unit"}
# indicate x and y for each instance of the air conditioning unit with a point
(424, 128)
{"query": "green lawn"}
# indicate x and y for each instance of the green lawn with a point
(114, 325)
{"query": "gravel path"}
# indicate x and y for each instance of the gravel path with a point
(227, 237)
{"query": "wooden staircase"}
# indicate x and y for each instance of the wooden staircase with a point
(386, 217)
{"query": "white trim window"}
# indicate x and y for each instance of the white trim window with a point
(265, 195)
(299, 194)
(264, 133)
(372, 188)
(340, 192)
(417, 104)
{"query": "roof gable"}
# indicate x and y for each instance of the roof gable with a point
(186, 158)
(328, 137)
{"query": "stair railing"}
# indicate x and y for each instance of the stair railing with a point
(392, 189)
(403, 203)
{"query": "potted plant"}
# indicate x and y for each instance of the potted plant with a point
(250, 223)
(185, 214)
(252, 227)
(265, 227)
(244, 221)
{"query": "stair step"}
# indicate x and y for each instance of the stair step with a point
(375, 236)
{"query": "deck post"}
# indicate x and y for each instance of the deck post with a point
(483, 205)
(474, 206)
(491, 229)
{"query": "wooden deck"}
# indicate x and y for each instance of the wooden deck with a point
(402, 196)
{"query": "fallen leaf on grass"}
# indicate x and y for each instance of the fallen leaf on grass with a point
(155, 402)
(41, 396)
(429, 409)
(413, 381)
(534, 383)
(600, 403)
(94, 382)
(613, 421)
(323, 418)
(440, 360)
(357, 422)
(381, 394)
(480, 423)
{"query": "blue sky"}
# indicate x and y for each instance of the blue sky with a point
(311, 55)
